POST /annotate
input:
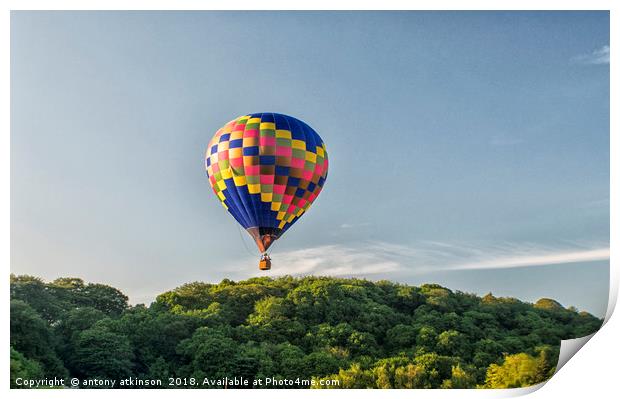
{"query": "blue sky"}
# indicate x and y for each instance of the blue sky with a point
(469, 149)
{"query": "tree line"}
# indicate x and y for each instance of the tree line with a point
(362, 334)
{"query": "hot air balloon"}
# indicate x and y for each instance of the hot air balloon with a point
(266, 169)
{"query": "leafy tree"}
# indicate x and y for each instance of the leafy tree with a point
(321, 363)
(102, 353)
(427, 339)
(518, 370)
(353, 377)
(31, 336)
(407, 299)
(159, 369)
(451, 342)
(362, 343)
(545, 368)
(63, 294)
(210, 352)
(460, 379)
(412, 376)
(35, 293)
(401, 336)
(254, 361)
(68, 329)
(268, 310)
(289, 360)
(107, 299)
(154, 335)
(548, 304)
(22, 367)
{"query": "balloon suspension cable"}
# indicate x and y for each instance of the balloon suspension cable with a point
(244, 244)
(268, 252)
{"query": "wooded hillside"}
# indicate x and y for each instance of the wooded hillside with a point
(361, 333)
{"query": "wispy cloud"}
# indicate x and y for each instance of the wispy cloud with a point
(603, 202)
(448, 256)
(597, 57)
(537, 259)
(336, 260)
(429, 256)
(354, 225)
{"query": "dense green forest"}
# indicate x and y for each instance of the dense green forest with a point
(348, 333)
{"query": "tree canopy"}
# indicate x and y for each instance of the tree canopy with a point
(358, 333)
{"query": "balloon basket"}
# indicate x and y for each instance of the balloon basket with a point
(264, 263)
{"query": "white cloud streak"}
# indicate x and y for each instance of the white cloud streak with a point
(597, 57)
(335, 260)
(543, 259)
(426, 257)
(354, 225)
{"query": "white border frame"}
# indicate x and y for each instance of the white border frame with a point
(592, 371)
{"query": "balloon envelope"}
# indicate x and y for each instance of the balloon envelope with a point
(266, 169)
